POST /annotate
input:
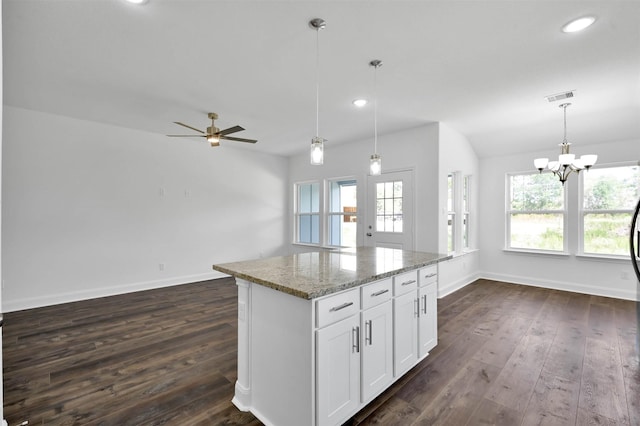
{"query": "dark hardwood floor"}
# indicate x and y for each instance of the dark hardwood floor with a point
(506, 355)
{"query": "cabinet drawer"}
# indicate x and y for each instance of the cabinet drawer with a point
(375, 293)
(428, 275)
(336, 307)
(405, 282)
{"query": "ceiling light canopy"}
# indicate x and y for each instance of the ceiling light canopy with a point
(579, 24)
(567, 162)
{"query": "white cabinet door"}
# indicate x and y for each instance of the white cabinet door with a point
(405, 332)
(377, 349)
(428, 320)
(338, 371)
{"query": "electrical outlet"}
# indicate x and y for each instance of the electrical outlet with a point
(161, 192)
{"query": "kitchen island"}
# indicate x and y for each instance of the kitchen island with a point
(321, 334)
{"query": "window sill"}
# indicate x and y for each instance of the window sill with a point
(537, 252)
(604, 257)
(317, 246)
(462, 253)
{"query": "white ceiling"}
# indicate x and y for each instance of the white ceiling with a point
(483, 67)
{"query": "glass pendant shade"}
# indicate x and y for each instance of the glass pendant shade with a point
(317, 151)
(540, 163)
(589, 160)
(375, 165)
(566, 159)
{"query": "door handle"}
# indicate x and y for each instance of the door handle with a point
(369, 234)
(355, 337)
(368, 330)
(424, 304)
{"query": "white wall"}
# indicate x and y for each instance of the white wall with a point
(579, 274)
(91, 210)
(415, 149)
(457, 155)
(431, 152)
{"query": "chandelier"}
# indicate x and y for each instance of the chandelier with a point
(567, 162)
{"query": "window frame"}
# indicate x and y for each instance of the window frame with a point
(330, 213)
(324, 214)
(298, 215)
(582, 212)
(510, 212)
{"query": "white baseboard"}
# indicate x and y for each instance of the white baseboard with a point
(449, 288)
(48, 300)
(563, 285)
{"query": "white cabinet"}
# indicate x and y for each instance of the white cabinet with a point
(377, 349)
(428, 312)
(338, 371)
(319, 361)
(415, 317)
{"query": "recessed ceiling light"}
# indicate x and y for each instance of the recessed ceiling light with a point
(137, 1)
(578, 24)
(360, 102)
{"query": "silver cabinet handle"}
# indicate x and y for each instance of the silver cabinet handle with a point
(416, 305)
(424, 304)
(408, 282)
(431, 275)
(368, 332)
(378, 293)
(344, 305)
(355, 337)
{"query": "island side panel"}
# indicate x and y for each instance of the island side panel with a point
(282, 358)
(242, 397)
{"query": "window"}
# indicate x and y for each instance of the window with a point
(308, 213)
(609, 196)
(451, 213)
(326, 213)
(343, 213)
(535, 212)
(389, 206)
(466, 211)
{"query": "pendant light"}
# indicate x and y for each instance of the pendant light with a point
(317, 143)
(375, 162)
(567, 162)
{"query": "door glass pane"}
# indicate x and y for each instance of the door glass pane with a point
(389, 206)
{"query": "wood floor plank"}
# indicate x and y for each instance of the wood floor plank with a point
(168, 356)
(603, 391)
(554, 402)
(517, 380)
(459, 399)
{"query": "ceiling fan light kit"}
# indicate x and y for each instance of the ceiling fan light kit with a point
(567, 162)
(213, 134)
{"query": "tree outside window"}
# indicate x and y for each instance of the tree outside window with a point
(535, 212)
(609, 195)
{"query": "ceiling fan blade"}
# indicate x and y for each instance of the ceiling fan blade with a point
(187, 136)
(188, 127)
(230, 138)
(231, 130)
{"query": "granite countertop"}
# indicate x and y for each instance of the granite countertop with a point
(319, 273)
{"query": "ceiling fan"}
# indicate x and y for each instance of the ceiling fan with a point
(214, 134)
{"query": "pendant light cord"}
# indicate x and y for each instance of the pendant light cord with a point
(565, 123)
(317, 82)
(375, 109)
